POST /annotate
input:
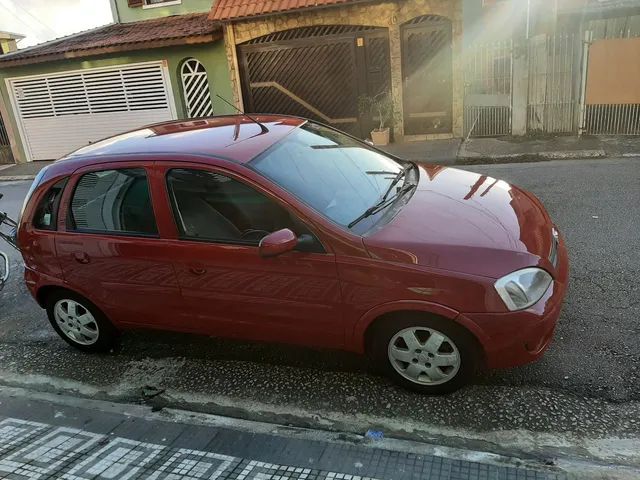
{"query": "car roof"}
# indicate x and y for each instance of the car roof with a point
(232, 137)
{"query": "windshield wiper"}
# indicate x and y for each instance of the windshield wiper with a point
(381, 205)
(401, 174)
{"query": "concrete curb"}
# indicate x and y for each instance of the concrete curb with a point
(16, 178)
(465, 158)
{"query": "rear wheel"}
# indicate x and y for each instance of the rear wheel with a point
(425, 354)
(79, 322)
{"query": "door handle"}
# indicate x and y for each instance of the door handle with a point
(198, 270)
(81, 257)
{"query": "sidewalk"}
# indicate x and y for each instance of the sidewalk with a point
(458, 152)
(443, 152)
(516, 149)
(73, 439)
(21, 171)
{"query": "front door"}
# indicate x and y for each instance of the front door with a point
(427, 73)
(110, 250)
(229, 290)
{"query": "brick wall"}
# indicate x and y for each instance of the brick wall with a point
(388, 14)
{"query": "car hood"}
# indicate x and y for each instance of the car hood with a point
(466, 222)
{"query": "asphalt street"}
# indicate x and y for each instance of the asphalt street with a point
(587, 386)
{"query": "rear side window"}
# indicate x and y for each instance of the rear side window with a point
(113, 201)
(46, 214)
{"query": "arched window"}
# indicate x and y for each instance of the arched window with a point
(195, 85)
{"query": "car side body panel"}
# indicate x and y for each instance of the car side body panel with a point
(440, 254)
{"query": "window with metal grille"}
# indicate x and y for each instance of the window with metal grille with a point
(195, 84)
(153, 3)
(4, 136)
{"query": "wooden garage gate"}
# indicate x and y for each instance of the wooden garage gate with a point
(427, 70)
(316, 72)
(613, 91)
(59, 113)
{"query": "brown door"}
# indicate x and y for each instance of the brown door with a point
(427, 72)
(316, 72)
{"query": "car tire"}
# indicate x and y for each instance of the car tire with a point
(435, 361)
(79, 322)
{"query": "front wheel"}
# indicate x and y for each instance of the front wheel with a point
(80, 323)
(427, 355)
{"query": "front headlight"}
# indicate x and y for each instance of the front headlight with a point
(521, 289)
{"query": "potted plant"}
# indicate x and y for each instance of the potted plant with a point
(380, 107)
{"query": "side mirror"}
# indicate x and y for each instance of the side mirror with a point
(277, 243)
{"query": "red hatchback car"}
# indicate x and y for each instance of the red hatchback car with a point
(290, 231)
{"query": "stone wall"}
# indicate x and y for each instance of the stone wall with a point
(388, 14)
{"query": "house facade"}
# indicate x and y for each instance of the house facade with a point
(127, 11)
(559, 67)
(165, 59)
(453, 68)
(160, 60)
(317, 58)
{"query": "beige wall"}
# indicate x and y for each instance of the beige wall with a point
(388, 14)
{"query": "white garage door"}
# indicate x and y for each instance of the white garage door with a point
(60, 113)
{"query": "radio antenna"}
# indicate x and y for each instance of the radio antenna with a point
(262, 127)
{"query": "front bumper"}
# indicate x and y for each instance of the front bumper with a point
(517, 338)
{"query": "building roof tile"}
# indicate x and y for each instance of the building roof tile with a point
(226, 10)
(157, 32)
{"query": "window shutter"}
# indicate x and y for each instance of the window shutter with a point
(135, 3)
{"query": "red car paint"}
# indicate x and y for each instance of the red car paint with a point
(440, 254)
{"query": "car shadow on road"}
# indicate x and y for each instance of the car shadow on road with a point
(157, 344)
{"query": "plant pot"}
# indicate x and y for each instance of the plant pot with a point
(380, 137)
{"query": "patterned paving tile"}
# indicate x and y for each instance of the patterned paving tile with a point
(15, 432)
(188, 464)
(33, 451)
(36, 451)
(43, 457)
(260, 471)
(120, 459)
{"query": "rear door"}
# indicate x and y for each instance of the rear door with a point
(110, 248)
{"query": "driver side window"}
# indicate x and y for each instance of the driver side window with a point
(208, 206)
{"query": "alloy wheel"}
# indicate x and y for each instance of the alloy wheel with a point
(424, 356)
(76, 322)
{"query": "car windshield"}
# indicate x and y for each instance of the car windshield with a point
(331, 172)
